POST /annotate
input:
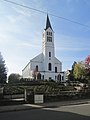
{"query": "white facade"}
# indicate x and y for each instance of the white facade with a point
(45, 65)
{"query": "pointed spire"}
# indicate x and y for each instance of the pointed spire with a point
(48, 23)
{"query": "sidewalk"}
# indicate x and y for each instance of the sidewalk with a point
(43, 105)
(18, 107)
(65, 103)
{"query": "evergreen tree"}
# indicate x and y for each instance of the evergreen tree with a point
(3, 71)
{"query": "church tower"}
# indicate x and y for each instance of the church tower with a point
(48, 46)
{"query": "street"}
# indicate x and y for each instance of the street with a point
(70, 112)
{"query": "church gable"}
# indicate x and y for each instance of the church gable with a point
(38, 58)
(36, 63)
(57, 61)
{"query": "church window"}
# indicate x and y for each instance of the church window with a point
(43, 77)
(55, 69)
(49, 39)
(50, 78)
(51, 33)
(37, 68)
(49, 54)
(62, 77)
(49, 66)
(55, 77)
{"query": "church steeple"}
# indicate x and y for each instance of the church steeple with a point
(48, 40)
(48, 25)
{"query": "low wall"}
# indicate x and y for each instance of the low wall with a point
(66, 96)
(17, 96)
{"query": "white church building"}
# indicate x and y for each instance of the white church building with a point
(45, 66)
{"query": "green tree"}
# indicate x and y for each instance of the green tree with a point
(14, 78)
(3, 70)
(79, 71)
(71, 75)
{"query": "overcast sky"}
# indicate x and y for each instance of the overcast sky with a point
(21, 31)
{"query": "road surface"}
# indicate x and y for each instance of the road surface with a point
(70, 112)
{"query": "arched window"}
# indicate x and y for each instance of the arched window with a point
(49, 54)
(55, 69)
(47, 32)
(49, 66)
(43, 77)
(37, 68)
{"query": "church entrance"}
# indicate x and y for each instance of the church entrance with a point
(59, 78)
(38, 76)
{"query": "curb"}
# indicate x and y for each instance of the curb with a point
(18, 108)
(38, 106)
(58, 104)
